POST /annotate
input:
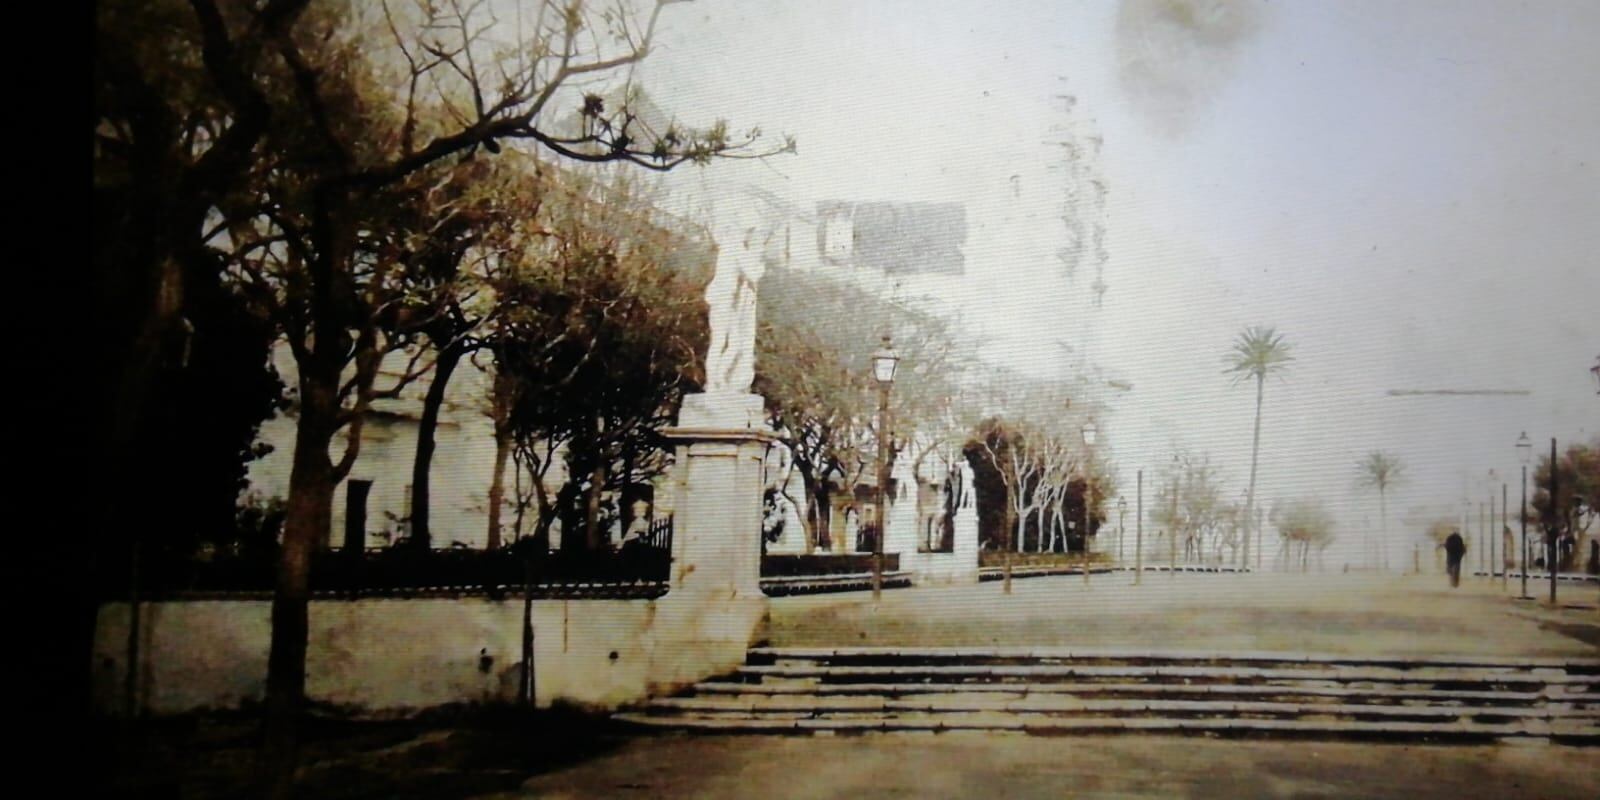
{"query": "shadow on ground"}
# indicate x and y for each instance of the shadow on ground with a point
(451, 753)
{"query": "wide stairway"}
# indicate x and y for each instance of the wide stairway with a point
(1056, 691)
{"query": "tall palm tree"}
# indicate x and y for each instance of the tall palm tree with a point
(1381, 471)
(1257, 352)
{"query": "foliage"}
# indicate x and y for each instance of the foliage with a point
(1204, 520)
(1037, 454)
(1257, 352)
(598, 336)
(1381, 471)
(816, 376)
(300, 147)
(1577, 496)
(1306, 525)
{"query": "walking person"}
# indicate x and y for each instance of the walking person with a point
(1454, 549)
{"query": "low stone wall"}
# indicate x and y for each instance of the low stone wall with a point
(394, 656)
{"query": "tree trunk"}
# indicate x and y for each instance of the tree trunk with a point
(821, 501)
(497, 486)
(308, 519)
(1255, 451)
(809, 521)
(625, 493)
(427, 427)
(597, 476)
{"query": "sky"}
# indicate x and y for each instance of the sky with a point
(1409, 192)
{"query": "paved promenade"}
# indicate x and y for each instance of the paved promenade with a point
(1013, 765)
(1343, 614)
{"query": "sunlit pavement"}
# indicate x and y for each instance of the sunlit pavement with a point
(1345, 614)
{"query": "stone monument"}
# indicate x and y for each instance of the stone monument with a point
(720, 444)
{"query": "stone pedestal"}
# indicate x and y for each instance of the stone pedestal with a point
(714, 602)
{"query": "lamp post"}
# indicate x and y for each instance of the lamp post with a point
(1090, 434)
(1524, 454)
(1122, 512)
(884, 362)
(1138, 531)
(1595, 371)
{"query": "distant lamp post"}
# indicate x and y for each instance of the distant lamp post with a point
(1525, 455)
(884, 363)
(1595, 371)
(1122, 511)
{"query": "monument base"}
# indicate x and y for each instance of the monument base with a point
(720, 412)
(714, 603)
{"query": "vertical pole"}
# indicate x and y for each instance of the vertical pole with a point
(1550, 527)
(1492, 536)
(1481, 557)
(883, 486)
(1522, 512)
(1138, 535)
(1501, 533)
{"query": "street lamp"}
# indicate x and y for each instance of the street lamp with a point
(1524, 454)
(1090, 434)
(884, 362)
(1595, 371)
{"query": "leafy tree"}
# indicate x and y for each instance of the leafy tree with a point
(1305, 526)
(1576, 505)
(602, 327)
(290, 139)
(1381, 471)
(1203, 519)
(821, 398)
(1257, 352)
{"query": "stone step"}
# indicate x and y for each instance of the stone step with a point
(1145, 656)
(1335, 674)
(1573, 731)
(1074, 706)
(1379, 694)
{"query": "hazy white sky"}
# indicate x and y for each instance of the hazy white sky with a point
(1409, 191)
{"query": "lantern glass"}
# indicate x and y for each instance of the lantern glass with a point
(1524, 448)
(1090, 433)
(884, 362)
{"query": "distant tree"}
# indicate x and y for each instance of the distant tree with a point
(1381, 471)
(1205, 522)
(1305, 526)
(1257, 352)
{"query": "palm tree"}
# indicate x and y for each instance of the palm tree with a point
(1381, 471)
(1257, 352)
